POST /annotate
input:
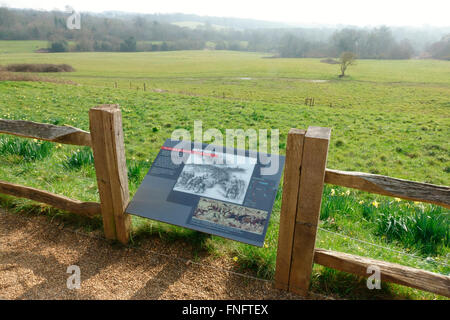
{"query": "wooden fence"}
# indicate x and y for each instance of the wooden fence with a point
(106, 140)
(304, 177)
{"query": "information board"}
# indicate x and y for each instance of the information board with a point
(222, 193)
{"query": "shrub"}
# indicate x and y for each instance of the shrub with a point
(11, 76)
(59, 46)
(24, 67)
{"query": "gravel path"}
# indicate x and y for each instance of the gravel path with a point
(35, 254)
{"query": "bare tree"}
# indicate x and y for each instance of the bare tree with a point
(347, 59)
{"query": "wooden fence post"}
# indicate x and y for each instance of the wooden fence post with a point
(314, 159)
(306, 157)
(110, 166)
(291, 182)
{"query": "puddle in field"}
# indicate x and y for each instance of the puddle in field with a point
(290, 79)
(308, 80)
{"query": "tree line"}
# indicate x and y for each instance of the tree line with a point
(138, 32)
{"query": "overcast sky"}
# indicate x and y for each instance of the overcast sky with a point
(354, 12)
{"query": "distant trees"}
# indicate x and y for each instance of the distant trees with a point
(129, 33)
(401, 50)
(441, 49)
(164, 46)
(292, 46)
(346, 59)
(347, 40)
(233, 45)
(129, 45)
(108, 44)
(59, 46)
(6, 17)
(221, 45)
(377, 43)
(236, 45)
(85, 44)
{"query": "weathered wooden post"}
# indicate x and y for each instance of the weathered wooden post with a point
(306, 157)
(110, 166)
(291, 182)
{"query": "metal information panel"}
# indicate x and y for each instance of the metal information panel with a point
(221, 193)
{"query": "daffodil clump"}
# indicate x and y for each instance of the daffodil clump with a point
(413, 224)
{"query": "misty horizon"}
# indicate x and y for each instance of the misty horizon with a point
(417, 14)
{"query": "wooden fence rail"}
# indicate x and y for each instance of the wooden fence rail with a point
(390, 272)
(48, 132)
(405, 189)
(84, 208)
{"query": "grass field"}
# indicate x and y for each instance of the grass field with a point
(17, 46)
(387, 117)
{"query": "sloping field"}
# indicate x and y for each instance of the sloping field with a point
(387, 117)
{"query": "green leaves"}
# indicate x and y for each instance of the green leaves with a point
(79, 158)
(27, 149)
(420, 226)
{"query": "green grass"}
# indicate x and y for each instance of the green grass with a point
(413, 225)
(19, 46)
(387, 117)
(79, 158)
(424, 227)
(137, 170)
(25, 150)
